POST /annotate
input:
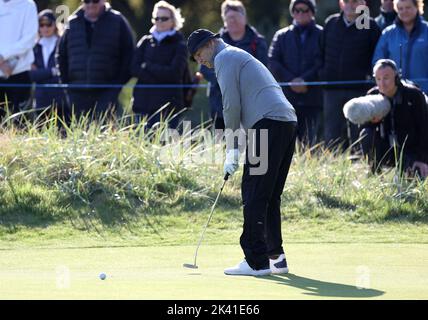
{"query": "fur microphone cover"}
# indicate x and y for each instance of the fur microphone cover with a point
(364, 109)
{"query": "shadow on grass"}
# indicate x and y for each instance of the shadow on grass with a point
(334, 203)
(30, 212)
(319, 288)
(225, 202)
(406, 215)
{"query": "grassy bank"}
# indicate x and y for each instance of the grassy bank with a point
(117, 182)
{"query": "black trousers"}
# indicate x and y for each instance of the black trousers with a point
(261, 193)
(16, 99)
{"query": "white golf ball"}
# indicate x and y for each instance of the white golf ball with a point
(103, 276)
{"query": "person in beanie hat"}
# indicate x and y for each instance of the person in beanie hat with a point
(47, 15)
(295, 56)
(253, 101)
(310, 3)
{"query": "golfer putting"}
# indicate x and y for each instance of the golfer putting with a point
(253, 100)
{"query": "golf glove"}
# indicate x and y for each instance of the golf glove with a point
(231, 164)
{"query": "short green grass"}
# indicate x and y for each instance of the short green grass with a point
(318, 271)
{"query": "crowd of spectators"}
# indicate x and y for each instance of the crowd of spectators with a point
(97, 48)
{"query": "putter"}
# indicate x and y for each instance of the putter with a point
(194, 266)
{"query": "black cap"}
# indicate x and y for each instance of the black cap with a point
(198, 39)
(47, 15)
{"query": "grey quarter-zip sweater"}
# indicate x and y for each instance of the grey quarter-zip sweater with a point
(250, 93)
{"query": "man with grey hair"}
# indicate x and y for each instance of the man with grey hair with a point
(401, 137)
(239, 33)
(253, 100)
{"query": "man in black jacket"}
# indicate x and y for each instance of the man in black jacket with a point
(401, 138)
(347, 49)
(96, 49)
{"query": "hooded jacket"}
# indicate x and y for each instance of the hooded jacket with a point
(19, 26)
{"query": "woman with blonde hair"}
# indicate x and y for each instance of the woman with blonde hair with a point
(406, 42)
(160, 59)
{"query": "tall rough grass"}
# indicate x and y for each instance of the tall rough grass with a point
(115, 171)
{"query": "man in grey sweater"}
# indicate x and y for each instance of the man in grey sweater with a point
(253, 101)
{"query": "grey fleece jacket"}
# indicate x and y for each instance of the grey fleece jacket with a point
(250, 92)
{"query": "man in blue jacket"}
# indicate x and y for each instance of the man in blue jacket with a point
(347, 52)
(295, 56)
(406, 43)
(238, 33)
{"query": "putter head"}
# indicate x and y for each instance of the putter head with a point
(190, 266)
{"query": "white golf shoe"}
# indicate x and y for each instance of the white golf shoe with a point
(279, 265)
(243, 269)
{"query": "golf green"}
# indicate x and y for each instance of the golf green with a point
(317, 271)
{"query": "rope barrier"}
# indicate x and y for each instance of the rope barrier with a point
(176, 86)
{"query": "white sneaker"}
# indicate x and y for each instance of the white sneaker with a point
(279, 265)
(243, 269)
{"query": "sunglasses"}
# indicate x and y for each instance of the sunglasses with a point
(301, 10)
(93, 1)
(163, 19)
(47, 25)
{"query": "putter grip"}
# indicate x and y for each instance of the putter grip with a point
(226, 177)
